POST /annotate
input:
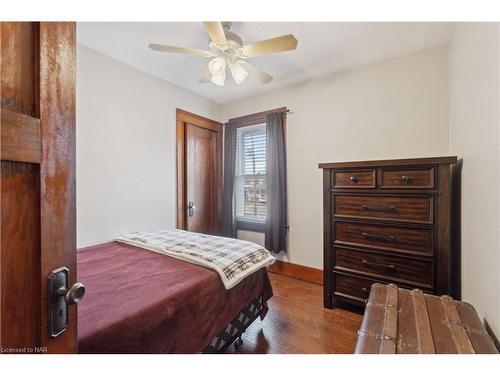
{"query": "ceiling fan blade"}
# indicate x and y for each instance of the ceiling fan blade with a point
(189, 51)
(279, 44)
(262, 76)
(206, 77)
(216, 33)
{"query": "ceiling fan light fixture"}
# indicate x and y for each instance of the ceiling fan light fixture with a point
(217, 66)
(238, 72)
(228, 52)
(219, 79)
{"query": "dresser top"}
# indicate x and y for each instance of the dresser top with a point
(390, 162)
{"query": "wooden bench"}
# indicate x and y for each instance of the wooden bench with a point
(402, 321)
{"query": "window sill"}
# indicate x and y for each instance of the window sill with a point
(249, 225)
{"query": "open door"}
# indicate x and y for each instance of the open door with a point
(38, 213)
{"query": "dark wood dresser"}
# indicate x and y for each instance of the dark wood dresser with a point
(386, 221)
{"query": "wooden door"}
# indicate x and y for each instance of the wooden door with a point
(38, 214)
(199, 173)
(201, 179)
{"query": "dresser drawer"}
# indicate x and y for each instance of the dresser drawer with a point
(357, 288)
(405, 208)
(407, 178)
(384, 237)
(395, 268)
(354, 179)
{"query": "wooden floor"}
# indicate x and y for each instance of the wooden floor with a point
(298, 323)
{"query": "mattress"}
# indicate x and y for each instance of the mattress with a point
(138, 301)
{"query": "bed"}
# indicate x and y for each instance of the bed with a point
(140, 301)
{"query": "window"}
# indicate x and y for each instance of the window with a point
(250, 177)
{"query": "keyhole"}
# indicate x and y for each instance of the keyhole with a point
(60, 313)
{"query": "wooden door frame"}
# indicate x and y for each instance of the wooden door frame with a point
(183, 118)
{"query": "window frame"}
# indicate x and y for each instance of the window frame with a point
(248, 223)
(243, 121)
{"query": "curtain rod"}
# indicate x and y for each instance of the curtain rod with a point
(252, 118)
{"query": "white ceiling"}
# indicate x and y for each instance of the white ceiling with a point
(323, 48)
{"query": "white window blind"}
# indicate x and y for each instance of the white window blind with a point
(250, 173)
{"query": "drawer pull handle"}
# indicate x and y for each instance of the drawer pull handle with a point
(378, 236)
(405, 179)
(378, 208)
(380, 265)
(354, 179)
(366, 290)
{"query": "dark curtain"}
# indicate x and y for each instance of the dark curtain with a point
(276, 216)
(228, 221)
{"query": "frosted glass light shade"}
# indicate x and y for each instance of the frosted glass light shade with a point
(219, 79)
(238, 72)
(217, 65)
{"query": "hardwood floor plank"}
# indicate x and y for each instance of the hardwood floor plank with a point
(297, 323)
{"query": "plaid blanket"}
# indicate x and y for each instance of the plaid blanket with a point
(232, 259)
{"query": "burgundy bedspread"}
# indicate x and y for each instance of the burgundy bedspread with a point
(138, 301)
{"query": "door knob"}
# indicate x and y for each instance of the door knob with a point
(60, 295)
(72, 295)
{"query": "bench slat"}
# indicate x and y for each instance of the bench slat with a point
(478, 336)
(443, 341)
(390, 330)
(460, 338)
(423, 325)
(407, 334)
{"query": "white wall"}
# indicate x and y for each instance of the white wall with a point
(126, 147)
(393, 109)
(475, 137)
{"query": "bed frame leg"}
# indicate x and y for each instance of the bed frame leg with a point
(238, 343)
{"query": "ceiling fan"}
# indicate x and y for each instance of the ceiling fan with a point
(226, 50)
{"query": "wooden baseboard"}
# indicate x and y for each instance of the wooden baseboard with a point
(296, 271)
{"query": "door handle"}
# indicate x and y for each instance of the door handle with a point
(60, 295)
(191, 207)
(72, 295)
